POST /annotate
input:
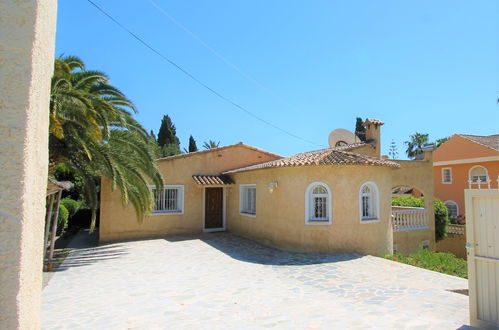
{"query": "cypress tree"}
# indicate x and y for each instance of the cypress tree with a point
(360, 129)
(167, 137)
(192, 144)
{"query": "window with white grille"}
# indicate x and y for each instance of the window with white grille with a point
(447, 175)
(247, 195)
(478, 174)
(452, 208)
(170, 199)
(318, 204)
(368, 200)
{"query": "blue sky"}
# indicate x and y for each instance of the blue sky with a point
(313, 66)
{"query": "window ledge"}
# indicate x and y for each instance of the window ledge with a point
(318, 222)
(154, 213)
(369, 220)
(249, 215)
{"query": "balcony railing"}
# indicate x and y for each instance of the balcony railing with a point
(456, 229)
(406, 218)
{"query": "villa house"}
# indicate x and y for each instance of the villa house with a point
(462, 162)
(334, 199)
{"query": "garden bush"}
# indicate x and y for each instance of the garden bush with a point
(446, 263)
(71, 205)
(62, 220)
(441, 212)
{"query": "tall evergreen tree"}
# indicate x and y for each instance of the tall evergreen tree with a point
(192, 144)
(167, 138)
(393, 151)
(360, 129)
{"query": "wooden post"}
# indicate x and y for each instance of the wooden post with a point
(47, 226)
(54, 231)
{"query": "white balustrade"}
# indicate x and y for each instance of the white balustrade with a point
(406, 218)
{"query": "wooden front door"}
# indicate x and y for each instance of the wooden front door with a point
(214, 208)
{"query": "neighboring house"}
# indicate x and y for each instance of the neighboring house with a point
(335, 199)
(462, 162)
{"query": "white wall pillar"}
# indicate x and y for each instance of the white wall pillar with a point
(27, 41)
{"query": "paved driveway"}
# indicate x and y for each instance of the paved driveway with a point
(225, 281)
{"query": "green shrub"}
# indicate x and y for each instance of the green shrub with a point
(62, 219)
(71, 205)
(446, 263)
(441, 212)
(441, 219)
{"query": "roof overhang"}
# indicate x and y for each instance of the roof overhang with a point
(212, 180)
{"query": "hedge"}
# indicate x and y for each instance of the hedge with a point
(62, 219)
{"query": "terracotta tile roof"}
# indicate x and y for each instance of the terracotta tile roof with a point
(374, 121)
(490, 141)
(188, 154)
(212, 179)
(331, 156)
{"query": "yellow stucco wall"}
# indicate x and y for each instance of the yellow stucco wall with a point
(280, 216)
(416, 174)
(118, 223)
(455, 244)
(26, 64)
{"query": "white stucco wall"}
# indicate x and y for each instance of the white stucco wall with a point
(27, 37)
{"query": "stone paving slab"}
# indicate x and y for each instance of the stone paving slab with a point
(222, 281)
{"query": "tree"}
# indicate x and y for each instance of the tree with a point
(192, 144)
(415, 145)
(441, 141)
(393, 152)
(211, 144)
(360, 129)
(167, 138)
(92, 131)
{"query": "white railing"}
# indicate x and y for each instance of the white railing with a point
(406, 218)
(456, 229)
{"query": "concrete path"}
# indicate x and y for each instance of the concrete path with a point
(222, 281)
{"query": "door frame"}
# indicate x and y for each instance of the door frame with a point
(224, 208)
(473, 259)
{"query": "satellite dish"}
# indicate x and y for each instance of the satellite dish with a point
(341, 137)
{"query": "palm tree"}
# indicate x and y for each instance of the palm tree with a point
(93, 132)
(211, 144)
(415, 145)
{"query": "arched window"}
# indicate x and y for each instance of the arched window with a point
(369, 202)
(318, 204)
(478, 174)
(453, 209)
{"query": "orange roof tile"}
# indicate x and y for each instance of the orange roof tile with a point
(330, 156)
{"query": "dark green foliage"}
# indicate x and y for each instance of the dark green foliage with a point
(446, 263)
(93, 133)
(360, 129)
(62, 219)
(211, 144)
(441, 213)
(192, 144)
(167, 138)
(441, 220)
(415, 145)
(441, 141)
(71, 205)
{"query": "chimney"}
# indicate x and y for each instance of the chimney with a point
(373, 136)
